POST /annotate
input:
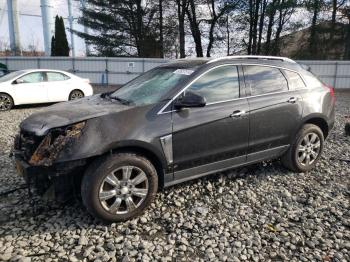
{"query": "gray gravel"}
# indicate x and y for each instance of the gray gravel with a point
(259, 213)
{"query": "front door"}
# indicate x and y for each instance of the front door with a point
(274, 111)
(31, 88)
(215, 136)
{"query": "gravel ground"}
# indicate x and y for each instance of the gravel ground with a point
(259, 213)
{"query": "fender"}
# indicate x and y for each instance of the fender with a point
(318, 119)
(142, 146)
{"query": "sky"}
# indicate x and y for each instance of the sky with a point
(30, 27)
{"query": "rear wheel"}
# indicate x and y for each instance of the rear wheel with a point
(306, 150)
(6, 102)
(76, 94)
(119, 187)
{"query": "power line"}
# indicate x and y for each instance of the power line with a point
(24, 14)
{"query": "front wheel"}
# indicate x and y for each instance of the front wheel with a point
(306, 150)
(6, 102)
(119, 187)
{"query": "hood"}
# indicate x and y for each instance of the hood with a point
(66, 113)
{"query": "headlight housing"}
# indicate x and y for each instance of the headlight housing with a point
(54, 142)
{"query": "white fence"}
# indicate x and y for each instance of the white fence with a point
(111, 71)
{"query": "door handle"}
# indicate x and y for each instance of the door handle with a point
(237, 113)
(292, 100)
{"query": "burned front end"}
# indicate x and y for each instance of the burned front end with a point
(36, 160)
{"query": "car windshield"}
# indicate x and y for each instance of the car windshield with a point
(11, 76)
(151, 86)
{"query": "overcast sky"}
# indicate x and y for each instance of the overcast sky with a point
(30, 28)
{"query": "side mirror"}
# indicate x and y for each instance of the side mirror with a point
(190, 99)
(19, 81)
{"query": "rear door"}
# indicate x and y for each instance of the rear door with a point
(274, 111)
(215, 136)
(31, 88)
(58, 86)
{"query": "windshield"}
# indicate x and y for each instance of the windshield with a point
(151, 86)
(11, 76)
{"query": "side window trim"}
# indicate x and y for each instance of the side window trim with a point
(285, 77)
(295, 72)
(45, 77)
(279, 67)
(161, 111)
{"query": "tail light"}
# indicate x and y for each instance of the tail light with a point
(86, 80)
(331, 91)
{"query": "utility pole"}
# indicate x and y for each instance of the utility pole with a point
(86, 30)
(48, 24)
(71, 21)
(13, 26)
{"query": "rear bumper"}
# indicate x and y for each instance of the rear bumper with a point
(331, 119)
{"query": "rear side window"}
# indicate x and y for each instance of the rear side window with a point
(219, 84)
(264, 80)
(55, 76)
(294, 80)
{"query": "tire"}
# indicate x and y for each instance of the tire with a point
(76, 94)
(296, 158)
(6, 102)
(97, 186)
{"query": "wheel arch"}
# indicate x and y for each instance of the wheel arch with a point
(319, 121)
(151, 154)
(6, 93)
(75, 89)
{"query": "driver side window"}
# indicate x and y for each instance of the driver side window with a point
(219, 84)
(36, 77)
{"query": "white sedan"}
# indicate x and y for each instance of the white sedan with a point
(41, 86)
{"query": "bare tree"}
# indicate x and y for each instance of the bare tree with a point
(194, 26)
(181, 13)
(161, 41)
(346, 13)
(217, 11)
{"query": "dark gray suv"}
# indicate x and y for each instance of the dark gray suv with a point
(176, 122)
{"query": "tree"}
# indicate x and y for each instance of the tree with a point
(122, 28)
(285, 10)
(181, 13)
(53, 45)
(335, 7)
(314, 6)
(194, 26)
(59, 43)
(161, 40)
(270, 12)
(217, 10)
(346, 14)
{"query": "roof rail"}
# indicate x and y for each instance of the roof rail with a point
(280, 58)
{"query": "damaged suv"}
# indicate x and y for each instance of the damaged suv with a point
(176, 122)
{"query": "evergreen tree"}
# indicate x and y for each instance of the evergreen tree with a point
(59, 43)
(53, 45)
(122, 28)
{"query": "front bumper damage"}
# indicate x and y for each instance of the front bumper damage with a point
(36, 157)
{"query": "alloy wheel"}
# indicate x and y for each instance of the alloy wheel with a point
(5, 103)
(308, 149)
(76, 95)
(123, 190)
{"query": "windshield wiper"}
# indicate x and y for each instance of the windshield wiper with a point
(121, 100)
